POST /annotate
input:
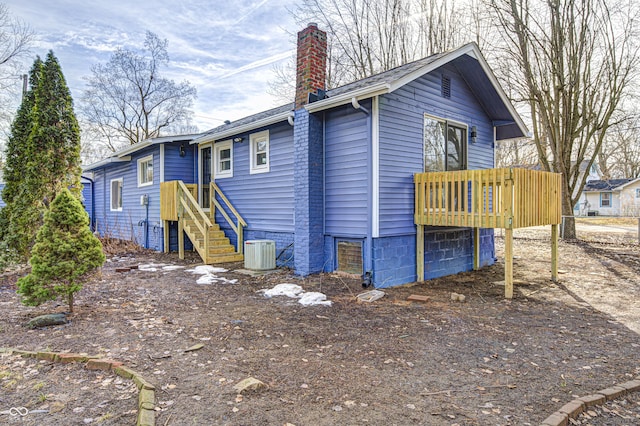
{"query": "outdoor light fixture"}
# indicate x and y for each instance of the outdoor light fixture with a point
(238, 139)
(183, 151)
(474, 134)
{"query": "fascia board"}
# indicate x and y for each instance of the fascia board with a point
(345, 98)
(242, 129)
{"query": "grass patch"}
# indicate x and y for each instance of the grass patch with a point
(604, 220)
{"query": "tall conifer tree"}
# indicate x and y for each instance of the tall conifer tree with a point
(16, 161)
(52, 155)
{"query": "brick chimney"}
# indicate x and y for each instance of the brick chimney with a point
(311, 67)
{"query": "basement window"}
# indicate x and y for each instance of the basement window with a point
(350, 257)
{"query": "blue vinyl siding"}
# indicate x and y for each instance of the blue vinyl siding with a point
(264, 200)
(347, 145)
(128, 224)
(2, 203)
(180, 168)
(87, 199)
(401, 141)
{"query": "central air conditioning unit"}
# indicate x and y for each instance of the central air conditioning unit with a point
(260, 255)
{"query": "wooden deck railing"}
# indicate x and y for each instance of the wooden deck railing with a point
(239, 223)
(489, 198)
(190, 211)
(169, 198)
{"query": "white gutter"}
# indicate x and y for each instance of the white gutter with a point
(346, 97)
(105, 162)
(284, 116)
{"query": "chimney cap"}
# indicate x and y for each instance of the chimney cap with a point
(312, 24)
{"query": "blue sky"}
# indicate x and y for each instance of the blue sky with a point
(226, 49)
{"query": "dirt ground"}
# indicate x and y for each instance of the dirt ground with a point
(484, 361)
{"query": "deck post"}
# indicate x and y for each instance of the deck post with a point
(180, 211)
(420, 253)
(508, 263)
(166, 235)
(554, 252)
(476, 249)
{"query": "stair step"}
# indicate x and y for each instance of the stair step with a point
(190, 222)
(225, 257)
(221, 250)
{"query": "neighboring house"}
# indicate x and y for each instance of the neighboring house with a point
(122, 196)
(329, 178)
(614, 197)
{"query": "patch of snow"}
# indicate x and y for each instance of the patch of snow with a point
(206, 269)
(295, 291)
(151, 267)
(286, 289)
(213, 279)
(171, 267)
(314, 298)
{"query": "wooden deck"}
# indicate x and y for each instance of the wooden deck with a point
(491, 198)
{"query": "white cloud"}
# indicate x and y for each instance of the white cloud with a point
(225, 49)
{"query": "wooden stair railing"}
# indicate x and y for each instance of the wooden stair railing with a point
(239, 224)
(197, 223)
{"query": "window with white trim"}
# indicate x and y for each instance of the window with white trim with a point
(223, 163)
(605, 199)
(638, 193)
(145, 171)
(116, 195)
(445, 145)
(259, 152)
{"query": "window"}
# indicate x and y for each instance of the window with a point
(638, 193)
(205, 175)
(605, 199)
(145, 171)
(445, 145)
(116, 195)
(259, 152)
(223, 165)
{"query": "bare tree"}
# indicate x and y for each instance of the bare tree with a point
(516, 152)
(127, 100)
(16, 38)
(365, 37)
(576, 60)
(620, 154)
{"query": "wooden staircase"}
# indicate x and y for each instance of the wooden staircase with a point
(178, 203)
(218, 250)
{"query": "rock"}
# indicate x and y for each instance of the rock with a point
(194, 347)
(370, 296)
(47, 320)
(455, 297)
(249, 383)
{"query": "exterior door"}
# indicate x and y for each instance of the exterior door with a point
(205, 177)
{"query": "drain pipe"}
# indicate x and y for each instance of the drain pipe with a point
(356, 105)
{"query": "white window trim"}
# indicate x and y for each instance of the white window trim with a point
(454, 123)
(219, 146)
(253, 140)
(119, 209)
(140, 162)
